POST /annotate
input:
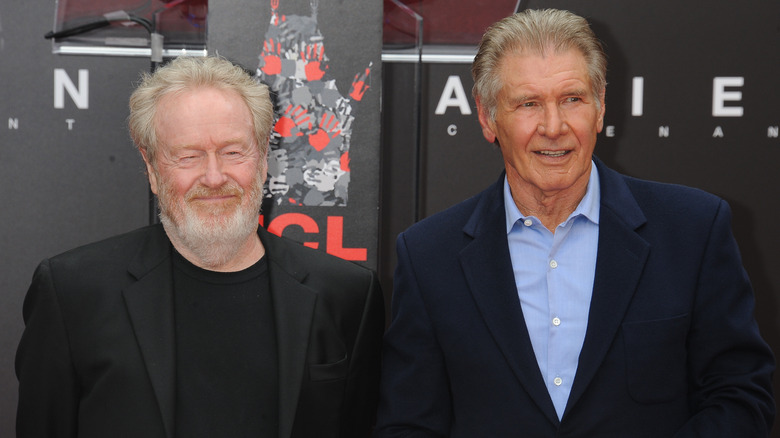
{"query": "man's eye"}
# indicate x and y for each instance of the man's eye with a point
(187, 159)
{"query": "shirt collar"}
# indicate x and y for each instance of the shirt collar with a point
(589, 206)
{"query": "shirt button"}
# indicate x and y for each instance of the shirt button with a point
(556, 321)
(558, 381)
(528, 222)
(553, 264)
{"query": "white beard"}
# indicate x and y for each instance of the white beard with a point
(214, 237)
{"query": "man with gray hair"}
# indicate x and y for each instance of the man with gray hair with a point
(567, 300)
(205, 325)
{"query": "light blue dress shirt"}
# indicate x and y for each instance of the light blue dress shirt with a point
(554, 277)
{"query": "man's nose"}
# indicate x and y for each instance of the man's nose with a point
(213, 175)
(553, 123)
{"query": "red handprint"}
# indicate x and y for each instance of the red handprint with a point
(312, 56)
(290, 123)
(344, 161)
(329, 128)
(274, 15)
(270, 56)
(359, 84)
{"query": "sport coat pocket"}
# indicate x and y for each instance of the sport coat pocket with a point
(656, 358)
(329, 371)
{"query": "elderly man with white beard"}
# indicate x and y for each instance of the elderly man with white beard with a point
(204, 325)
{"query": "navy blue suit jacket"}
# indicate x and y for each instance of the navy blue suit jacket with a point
(671, 350)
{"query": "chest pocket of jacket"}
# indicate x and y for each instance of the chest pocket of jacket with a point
(656, 359)
(329, 371)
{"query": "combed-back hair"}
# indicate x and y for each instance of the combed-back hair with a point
(534, 32)
(190, 73)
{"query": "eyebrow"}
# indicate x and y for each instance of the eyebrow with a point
(577, 92)
(523, 98)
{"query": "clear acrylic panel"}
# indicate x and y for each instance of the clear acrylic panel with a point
(447, 22)
(125, 27)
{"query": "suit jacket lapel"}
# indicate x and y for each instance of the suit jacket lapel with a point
(489, 274)
(622, 254)
(149, 303)
(293, 311)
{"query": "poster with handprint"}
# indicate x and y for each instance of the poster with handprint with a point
(321, 60)
(309, 163)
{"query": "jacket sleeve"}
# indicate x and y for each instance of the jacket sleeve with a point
(729, 365)
(48, 389)
(415, 400)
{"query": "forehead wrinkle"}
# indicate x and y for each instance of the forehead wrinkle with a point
(197, 144)
(532, 96)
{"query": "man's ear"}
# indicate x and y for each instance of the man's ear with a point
(488, 127)
(602, 111)
(150, 172)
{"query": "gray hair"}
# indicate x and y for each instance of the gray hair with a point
(534, 32)
(188, 73)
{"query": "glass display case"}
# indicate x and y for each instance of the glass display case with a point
(445, 22)
(130, 27)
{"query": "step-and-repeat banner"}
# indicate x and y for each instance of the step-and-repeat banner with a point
(69, 173)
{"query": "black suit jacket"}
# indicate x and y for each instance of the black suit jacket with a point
(671, 347)
(97, 357)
